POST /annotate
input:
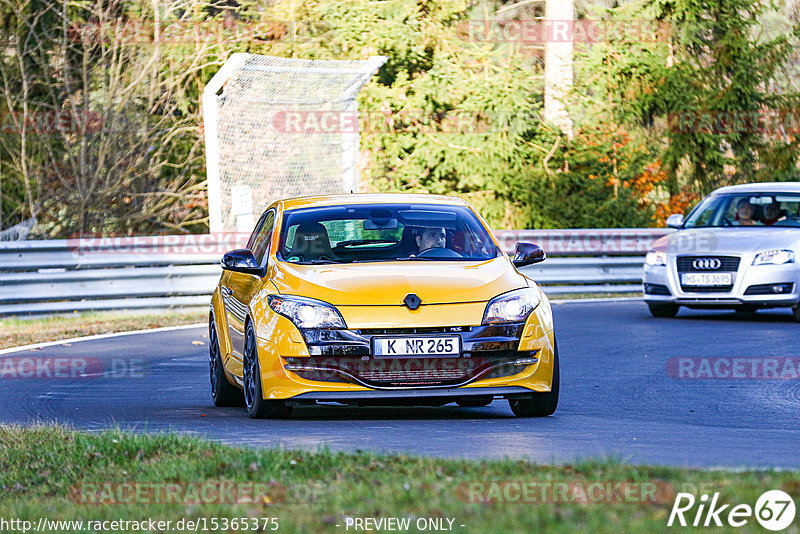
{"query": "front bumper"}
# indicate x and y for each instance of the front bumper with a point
(345, 356)
(518, 356)
(753, 286)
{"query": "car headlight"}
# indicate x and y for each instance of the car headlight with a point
(512, 307)
(774, 257)
(656, 258)
(305, 312)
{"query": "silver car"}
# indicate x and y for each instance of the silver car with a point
(737, 249)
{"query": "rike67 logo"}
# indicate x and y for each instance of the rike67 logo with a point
(774, 510)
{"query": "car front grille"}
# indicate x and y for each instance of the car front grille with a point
(706, 289)
(409, 372)
(420, 330)
(728, 264)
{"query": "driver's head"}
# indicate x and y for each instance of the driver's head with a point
(431, 238)
(744, 209)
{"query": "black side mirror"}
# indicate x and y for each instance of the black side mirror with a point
(528, 254)
(240, 261)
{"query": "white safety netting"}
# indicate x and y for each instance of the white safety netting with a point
(18, 232)
(278, 128)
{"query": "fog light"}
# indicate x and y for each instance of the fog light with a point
(778, 288)
(526, 361)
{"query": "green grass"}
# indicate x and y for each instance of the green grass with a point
(24, 331)
(44, 470)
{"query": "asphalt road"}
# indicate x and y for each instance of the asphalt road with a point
(617, 398)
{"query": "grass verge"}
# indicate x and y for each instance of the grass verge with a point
(50, 472)
(19, 331)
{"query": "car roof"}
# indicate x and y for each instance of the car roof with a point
(369, 198)
(763, 187)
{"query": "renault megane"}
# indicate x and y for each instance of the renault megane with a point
(380, 299)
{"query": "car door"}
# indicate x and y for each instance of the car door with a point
(240, 287)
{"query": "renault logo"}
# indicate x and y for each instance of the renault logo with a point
(707, 264)
(412, 301)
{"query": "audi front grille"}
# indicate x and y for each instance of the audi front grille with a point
(707, 264)
(727, 264)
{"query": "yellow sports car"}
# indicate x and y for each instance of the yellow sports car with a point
(381, 299)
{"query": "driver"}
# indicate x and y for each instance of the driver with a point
(434, 237)
(744, 213)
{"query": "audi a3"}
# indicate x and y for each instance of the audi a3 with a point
(737, 249)
(380, 299)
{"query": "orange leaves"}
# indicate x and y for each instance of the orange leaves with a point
(645, 183)
(676, 204)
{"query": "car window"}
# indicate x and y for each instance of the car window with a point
(256, 230)
(262, 240)
(747, 209)
(385, 232)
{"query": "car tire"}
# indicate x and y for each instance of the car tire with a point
(475, 402)
(542, 404)
(257, 406)
(663, 310)
(797, 313)
(222, 392)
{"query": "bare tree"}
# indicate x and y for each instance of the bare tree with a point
(106, 120)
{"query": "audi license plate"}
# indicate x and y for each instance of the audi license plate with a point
(706, 279)
(391, 347)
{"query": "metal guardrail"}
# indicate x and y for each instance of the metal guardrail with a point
(165, 272)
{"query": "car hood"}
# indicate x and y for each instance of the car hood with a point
(388, 283)
(702, 241)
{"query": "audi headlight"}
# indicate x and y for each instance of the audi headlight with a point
(774, 257)
(512, 307)
(656, 258)
(305, 312)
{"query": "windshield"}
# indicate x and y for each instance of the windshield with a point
(384, 232)
(752, 209)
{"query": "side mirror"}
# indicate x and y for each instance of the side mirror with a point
(527, 254)
(675, 220)
(240, 261)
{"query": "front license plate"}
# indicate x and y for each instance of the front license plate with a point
(706, 279)
(390, 347)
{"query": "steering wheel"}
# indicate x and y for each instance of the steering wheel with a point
(726, 222)
(326, 257)
(438, 252)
